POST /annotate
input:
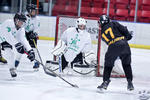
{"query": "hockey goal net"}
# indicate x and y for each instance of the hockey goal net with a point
(64, 22)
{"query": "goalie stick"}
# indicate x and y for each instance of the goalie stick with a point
(44, 68)
(51, 73)
(74, 66)
(84, 73)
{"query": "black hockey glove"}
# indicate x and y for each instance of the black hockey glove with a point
(20, 48)
(33, 35)
(130, 35)
(6, 45)
(31, 55)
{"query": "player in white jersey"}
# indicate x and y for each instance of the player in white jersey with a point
(75, 45)
(31, 30)
(12, 34)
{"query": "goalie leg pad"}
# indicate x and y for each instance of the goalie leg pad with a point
(84, 69)
(53, 65)
(90, 58)
(59, 49)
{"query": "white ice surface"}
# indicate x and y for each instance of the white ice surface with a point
(30, 85)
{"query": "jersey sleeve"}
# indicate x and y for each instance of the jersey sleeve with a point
(88, 45)
(5, 33)
(37, 25)
(123, 30)
(23, 39)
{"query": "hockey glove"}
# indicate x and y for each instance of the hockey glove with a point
(34, 35)
(31, 55)
(6, 45)
(130, 35)
(20, 48)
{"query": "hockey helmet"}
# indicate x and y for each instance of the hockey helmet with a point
(19, 20)
(20, 17)
(104, 19)
(32, 10)
(31, 7)
(81, 23)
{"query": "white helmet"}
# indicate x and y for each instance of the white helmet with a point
(81, 21)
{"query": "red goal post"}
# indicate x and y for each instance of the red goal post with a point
(64, 22)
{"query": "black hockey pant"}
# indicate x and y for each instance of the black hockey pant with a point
(30, 40)
(122, 50)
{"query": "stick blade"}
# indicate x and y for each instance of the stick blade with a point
(74, 85)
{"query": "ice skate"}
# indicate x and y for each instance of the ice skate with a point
(16, 63)
(2, 60)
(130, 86)
(13, 72)
(104, 85)
(36, 66)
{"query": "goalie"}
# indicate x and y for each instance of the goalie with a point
(75, 46)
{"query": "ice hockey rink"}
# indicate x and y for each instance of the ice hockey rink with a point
(30, 85)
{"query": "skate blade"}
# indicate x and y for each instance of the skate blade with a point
(100, 90)
(36, 69)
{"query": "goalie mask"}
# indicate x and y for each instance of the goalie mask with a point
(32, 10)
(19, 20)
(81, 23)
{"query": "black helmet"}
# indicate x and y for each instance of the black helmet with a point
(31, 7)
(104, 19)
(20, 17)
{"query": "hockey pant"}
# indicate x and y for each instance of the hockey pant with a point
(119, 49)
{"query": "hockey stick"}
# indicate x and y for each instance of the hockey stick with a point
(37, 51)
(44, 68)
(73, 85)
(52, 72)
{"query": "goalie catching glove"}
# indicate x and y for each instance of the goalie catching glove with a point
(89, 58)
(60, 48)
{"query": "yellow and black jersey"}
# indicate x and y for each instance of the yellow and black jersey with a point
(113, 32)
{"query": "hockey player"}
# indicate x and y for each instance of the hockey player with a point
(115, 36)
(2, 60)
(12, 35)
(31, 31)
(74, 45)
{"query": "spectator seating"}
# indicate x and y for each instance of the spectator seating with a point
(145, 16)
(70, 10)
(85, 11)
(133, 4)
(96, 12)
(111, 12)
(121, 14)
(122, 4)
(119, 9)
(132, 13)
(145, 5)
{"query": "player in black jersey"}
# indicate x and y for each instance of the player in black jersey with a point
(115, 36)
